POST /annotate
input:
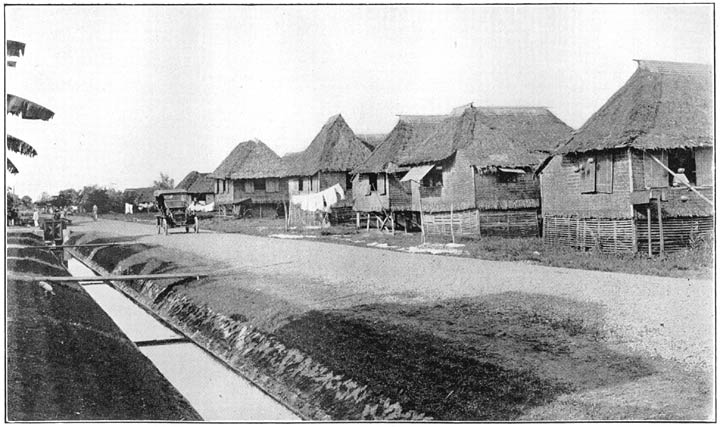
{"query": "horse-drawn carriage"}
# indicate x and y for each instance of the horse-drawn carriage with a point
(174, 211)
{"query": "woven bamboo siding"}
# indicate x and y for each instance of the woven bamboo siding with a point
(605, 235)
(638, 170)
(509, 223)
(492, 193)
(400, 193)
(677, 232)
(463, 223)
(457, 189)
(561, 189)
(328, 179)
(224, 197)
(365, 200)
(259, 196)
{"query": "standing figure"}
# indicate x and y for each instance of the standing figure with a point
(36, 218)
(94, 213)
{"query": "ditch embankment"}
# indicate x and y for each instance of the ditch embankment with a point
(503, 356)
(66, 359)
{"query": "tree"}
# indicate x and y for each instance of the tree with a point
(67, 198)
(27, 202)
(165, 182)
(18, 106)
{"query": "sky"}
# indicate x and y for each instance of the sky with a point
(140, 90)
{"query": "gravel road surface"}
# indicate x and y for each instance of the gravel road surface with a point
(669, 317)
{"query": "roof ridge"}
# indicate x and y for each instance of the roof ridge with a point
(673, 67)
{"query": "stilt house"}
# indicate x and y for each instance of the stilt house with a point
(328, 160)
(251, 181)
(471, 172)
(200, 186)
(638, 175)
(377, 190)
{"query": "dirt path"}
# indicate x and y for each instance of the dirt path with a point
(669, 317)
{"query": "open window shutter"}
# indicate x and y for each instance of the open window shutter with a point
(604, 173)
(655, 175)
(249, 186)
(704, 166)
(381, 183)
(587, 176)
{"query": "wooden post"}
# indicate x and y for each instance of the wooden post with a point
(392, 222)
(287, 219)
(357, 219)
(477, 220)
(649, 232)
(662, 237)
(368, 222)
(452, 231)
(422, 221)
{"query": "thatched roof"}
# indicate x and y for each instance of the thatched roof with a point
(141, 195)
(251, 159)
(335, 149)
(493, 137)
(196, 182)
(663, 105)
(372, 140)
(407, 133)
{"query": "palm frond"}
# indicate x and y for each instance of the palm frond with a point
(11, 167)
(19, 146)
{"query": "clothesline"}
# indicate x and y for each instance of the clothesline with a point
(321, 201)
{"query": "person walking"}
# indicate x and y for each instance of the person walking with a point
(94, 212)
(36, 218)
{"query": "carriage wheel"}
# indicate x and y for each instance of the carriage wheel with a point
(197, 225)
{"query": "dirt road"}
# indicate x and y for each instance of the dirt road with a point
(668, 317)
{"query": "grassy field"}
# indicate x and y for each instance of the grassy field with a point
(697, 262)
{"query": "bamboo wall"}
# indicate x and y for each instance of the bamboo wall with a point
(260, 196)
(509, 223)
(677, 232)
(300, 218)
(491, 193)
(457, 191)
(605, 235)
(561, 189)
(476, 223)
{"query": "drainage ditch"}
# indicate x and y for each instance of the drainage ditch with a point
(217, 392)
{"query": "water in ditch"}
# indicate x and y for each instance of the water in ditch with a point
(216, 392)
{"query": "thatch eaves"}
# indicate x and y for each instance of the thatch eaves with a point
(336, 148)
(196, 182)
(493, 137)
(249, 160)
(407, 133)
(663, 105)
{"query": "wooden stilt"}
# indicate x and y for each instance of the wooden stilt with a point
(452, 229)
(649, 232)
(660, 225)
(368, 222)
(422, 221)
(287, 217)
(357, 219)
(392, 222)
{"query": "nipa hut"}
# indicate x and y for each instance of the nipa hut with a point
(328, 160)
(251, 181)
(142, 197)
(200, 186)
(471, 173)
(638, 175)
(377, 191)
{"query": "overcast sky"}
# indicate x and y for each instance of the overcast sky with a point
(137, 90)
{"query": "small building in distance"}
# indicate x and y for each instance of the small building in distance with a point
(328, 160)
(609, 187)
(143, 198)
(200, 186)
(251, 181)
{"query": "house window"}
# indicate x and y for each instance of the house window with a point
(382, 183)
(507, 177)
(300, 184)
(373, 177)
(249, 187)
(604, 173)
(655, 175)
(259, 184)
(224, 186)
(272, 185)
(348, 181)
(217, 186)
(434, 178)
(681, 162)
